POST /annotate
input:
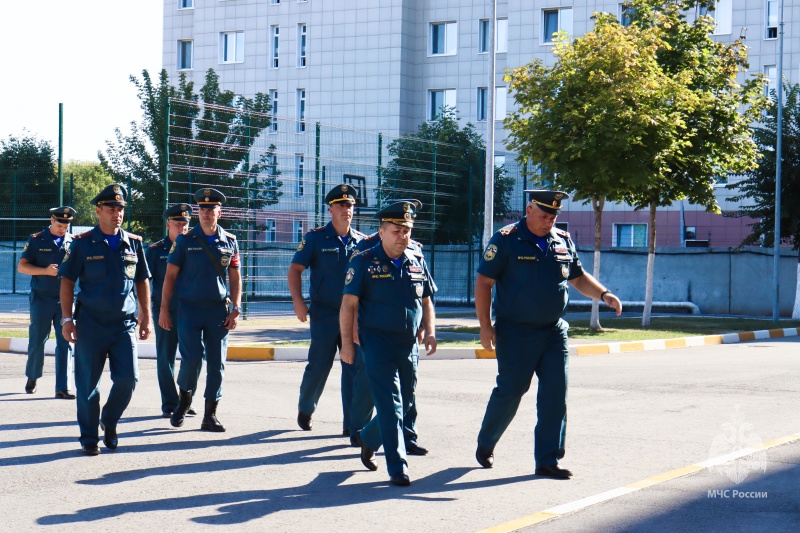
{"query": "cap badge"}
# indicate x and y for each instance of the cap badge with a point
(406, 207)
(116, 189)
(207, 192)
(184, 207)
(344, 188)
(558, 196)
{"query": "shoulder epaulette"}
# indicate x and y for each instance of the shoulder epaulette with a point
(358, 233)
(134, 237)
(417, 254)
(366, 254)
(157, 244)
(229, 235)
(508, 230)
(34, 235)
(416, 243)
(84, 234)
(561, 232)
(318, 229)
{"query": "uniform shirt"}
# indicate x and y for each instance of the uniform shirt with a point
(156, 255)
(531, 284)
(324, 252)
(198, 280)
(106, 277)
(41, 251)
(390, 298)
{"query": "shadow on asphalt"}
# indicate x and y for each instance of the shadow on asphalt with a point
(325, 491)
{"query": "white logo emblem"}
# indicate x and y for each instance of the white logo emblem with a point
(737, 435)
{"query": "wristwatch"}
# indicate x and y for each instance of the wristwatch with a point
(65, 320)
(236, 308)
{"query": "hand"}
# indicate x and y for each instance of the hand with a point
(487, 338)
(165, 319)
(69, 332)
(301, 311)
(347, 353)
(231, 320)
(144, 329)
(51, 270)
(430, 345)
(613, 302)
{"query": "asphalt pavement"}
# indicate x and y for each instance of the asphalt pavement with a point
(632, 417)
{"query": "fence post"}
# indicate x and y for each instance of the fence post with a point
(14, 238)
(318, 188)
(469, 241)
(433, 215)
(60, 154)
(524, 184)
(248, 220)
(379, 193)
(166, 153)
(71, 188)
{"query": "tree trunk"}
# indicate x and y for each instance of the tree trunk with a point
(796, 312)
(597, 206)
(651, 261)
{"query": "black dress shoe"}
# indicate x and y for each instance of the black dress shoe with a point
(346, 432)
(30, 386)
(355, 440)
(167, 414)
(400, 480)
(191, 412)
(485, 457)
(110, 438)
(65, 395)
(304, 421)
(553, 472)
(90, 449)
(412, 448)
(368, 458)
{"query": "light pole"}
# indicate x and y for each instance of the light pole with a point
(488, 204)
(778, 164)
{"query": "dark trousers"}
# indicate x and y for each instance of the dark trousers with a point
(201, 331)
(46, 313)
(325, 340)
(522, 352)
(166, 352)
(96, 341)
(389, 366)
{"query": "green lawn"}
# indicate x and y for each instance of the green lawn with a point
(630, 329)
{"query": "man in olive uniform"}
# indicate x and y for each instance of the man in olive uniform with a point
(177, 217)
(40, 259)
(529, 264)
(362, 406)
(197, 267)
(109, 262)
(326, 251)
(389, 288)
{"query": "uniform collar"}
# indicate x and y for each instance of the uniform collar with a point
(99, 236)
(198, 231)
(330, 231)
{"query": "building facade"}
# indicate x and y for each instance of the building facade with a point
(389, 65)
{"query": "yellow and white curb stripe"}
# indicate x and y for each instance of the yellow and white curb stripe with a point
(279, 353)
(583, 503)
(684, 342)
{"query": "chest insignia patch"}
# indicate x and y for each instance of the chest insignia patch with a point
(130, 269)
(490, 252)
(349, 276)
(225, 260)
(565, 271)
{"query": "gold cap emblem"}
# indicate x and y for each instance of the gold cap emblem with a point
(344, 188)
(207, 192)
(406, 207)
(184, 207)
(116, 189)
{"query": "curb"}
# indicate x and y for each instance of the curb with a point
(277, 353)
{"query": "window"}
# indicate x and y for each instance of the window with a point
(554, 21)
(185, 4)
(443, 38)
(722, 13)
(231, 47)
(772, 19)
(499, 103)
(275, 32)
(274, 2)
(185, 55)
(438, 98)
(299, 169)
(301, 110)
(500, 37)
(625, 12)
(269, 230)
(630, 235)
(499, 161)
(273, 97)
(301, 45)
(272, 164)
(771, 72)
(298, 230)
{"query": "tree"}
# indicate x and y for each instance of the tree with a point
(597, 120)
(713, 136)
(28, 183)
(211, 136)
(82, 181)
(436, 163)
